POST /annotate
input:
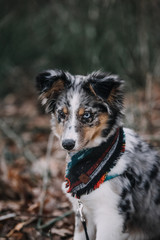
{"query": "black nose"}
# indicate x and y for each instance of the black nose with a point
(68, 144)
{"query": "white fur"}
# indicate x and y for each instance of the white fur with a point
(70, 132)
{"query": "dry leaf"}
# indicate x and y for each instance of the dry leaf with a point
(61, 232)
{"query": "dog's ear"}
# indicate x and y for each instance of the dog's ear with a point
(106, 87)
(50, 84)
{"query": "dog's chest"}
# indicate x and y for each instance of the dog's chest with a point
(103, 200)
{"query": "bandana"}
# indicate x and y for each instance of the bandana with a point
(89, 168)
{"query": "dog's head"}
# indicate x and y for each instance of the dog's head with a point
(85, 109)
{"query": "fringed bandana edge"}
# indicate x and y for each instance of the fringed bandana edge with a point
(89, 168)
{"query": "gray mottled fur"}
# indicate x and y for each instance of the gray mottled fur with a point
(140, 189)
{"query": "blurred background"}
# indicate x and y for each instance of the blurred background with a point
(117, 36)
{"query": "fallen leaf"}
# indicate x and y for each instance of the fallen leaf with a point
(61, 232)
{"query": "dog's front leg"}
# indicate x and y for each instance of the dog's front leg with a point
(79, 233)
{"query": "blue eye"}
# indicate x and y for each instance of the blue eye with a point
(86, 115)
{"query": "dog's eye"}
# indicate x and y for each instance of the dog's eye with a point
(61, 114)
(86, 115)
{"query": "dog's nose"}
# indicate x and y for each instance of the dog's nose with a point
(68, 144)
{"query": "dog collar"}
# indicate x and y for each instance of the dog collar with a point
(89, 168)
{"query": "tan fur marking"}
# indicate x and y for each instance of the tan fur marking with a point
(59, 129)
(92, 90)
(65, 110)
(57, 87)
(81, 111)
(112, 96)
(90, 133)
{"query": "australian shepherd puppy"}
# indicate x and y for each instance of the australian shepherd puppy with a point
(110, 172)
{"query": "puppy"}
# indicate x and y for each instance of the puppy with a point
(111, 173)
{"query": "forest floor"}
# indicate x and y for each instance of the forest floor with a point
(32, 204)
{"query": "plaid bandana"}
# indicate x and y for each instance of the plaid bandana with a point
(89, 168)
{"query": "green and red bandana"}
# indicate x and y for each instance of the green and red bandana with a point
(89, 168)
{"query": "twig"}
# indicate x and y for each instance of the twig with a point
(19, 142)
(53, 221)
(7, 216)
(13, 215)
(45, 177)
